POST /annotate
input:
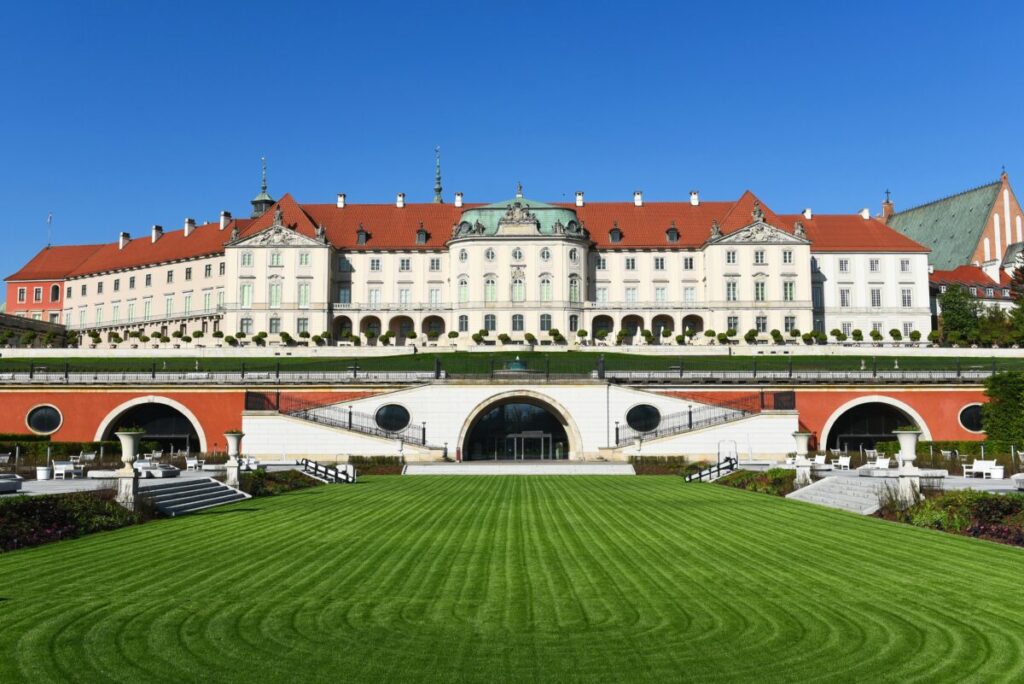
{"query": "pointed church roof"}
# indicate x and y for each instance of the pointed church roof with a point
(951, 227)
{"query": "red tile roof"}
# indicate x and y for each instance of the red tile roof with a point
(205, 240)
(972, 276)
(390, 227)
(851, 233)
(55, 262)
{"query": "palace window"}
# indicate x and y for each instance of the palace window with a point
(904, 265)
(759, 257)
(147, 309)
(115, 313)
(630, 263)
(84, 289)
(876, 297)
(518, 290)
(545, 289)
(730, 291)
(490, 323)
(844, 297)
(303, 258)
(545, 322)
(574, 255)
(601, 263)
(631, 295)
(687, 263)
(463, 290)
(759, 291)
(615, 235)
(99, 289)
(761, 323)
(789, 323)
(246, 259)
(375, 264)
(463, 255)
(574, 289)
(275, 326)
(188, 276)
(908, 328)
(245, 326)
(37, 294)
(404, 296)
(873, 265)
(345, 294)
(188, 304)
(730, 256)
(435, 263)
(99, 315)
(169, 305)
(490, 290)
(517, 254)
(787, 256)
(844, 265)
(989, 292)
(149, 280)
(788, 291)
(659, 295)
(54, 293)
(689, 295)
(301, 325)
(131, 283)
(22, 294)
(489, 254)
(545, 254)
(517, 322)
(602, 295)
(117, 284)
(275, 295)
(732, 323)
(245, 295)
(374, 296)
(463, 323)
(404, 264)
(221, 268)
(659, 263)
(434, 296)
(574, 323)
(847, 328)
(170, 277)
(67, 293)
(973, 291)
(907, 295)
(276, 259)
(304, 295)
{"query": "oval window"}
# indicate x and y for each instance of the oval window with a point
(545, 254)
(44, 419)
(463, 255)
(574, 255)
(489, 254)
(517, 254)
(970, 418)
(392, 417)
(643, 418)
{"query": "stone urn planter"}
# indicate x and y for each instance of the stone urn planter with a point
(802, 439)
(234, 442)
(130, 440)
(908, 439)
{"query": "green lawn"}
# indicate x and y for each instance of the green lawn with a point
(476, 363)
(517, 578)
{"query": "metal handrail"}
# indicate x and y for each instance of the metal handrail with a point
(728, 464)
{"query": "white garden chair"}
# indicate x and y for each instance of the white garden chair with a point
(841, 463)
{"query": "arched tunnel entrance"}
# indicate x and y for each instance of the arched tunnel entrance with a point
(517, 428)
(163, 424)
(865, 425)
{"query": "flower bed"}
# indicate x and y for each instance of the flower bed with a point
(377, 465)
(262, 483)
(995, 517)
(34, 520)
(664, 465)
(777, 481)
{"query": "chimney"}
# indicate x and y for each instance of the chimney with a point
(865, 213)
(190, 225)
(931, 269)
(808, 214)
(579, 198)
(694, 198)
(638, 199)
(156, 233)
(458, 199)
(123, 239)
(225, 219)
(400, 200)
(341, 200)
(888, 208)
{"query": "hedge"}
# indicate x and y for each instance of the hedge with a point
(33, 452)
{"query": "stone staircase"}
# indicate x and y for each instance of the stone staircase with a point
(855, 494)
(188, 496)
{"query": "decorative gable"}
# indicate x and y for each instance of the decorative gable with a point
(758, 233)
(279, 234)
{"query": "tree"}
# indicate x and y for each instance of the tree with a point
(1001, 416)
(1017, 313)
(959, 313)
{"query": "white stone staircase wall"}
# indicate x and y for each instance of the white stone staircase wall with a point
(179, 497)
(855, 494)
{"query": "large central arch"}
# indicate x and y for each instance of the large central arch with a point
(862, 408)
(530, 398)
(112, 421)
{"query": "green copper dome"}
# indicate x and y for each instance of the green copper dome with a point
(490, 220)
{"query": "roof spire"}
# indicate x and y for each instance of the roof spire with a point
(887, 195)
(262, 201)
(437, 176)
(519, 190)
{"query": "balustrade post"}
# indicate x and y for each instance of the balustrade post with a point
(423, 432)
(31, 369)
(680, 366)
(600, 366)
(547, 367)
(349, 417)
(689, 416)
(616, 432)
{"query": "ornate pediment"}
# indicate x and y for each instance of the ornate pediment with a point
(280, 234)
(518, 219)
(758, 232)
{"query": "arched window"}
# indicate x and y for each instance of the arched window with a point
(463, 323)
(54, 293)
(518, 290)
(545, 322)
(463, 290)
(490, 323)
(574, 289)
(545, 289)
(574, 255)
(517, 322)
(490, 290)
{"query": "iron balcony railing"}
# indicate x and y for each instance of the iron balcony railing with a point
(714, 472)
(695, 418)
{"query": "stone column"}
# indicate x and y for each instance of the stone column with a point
(803, 472)
(234, 441)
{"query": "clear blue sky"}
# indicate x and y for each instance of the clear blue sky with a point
(116, 116)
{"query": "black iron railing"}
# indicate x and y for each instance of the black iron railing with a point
(326, 472)
(723, 467)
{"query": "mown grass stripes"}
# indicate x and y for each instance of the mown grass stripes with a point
(513, 579)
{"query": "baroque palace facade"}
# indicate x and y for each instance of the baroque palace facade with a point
(513, 267)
